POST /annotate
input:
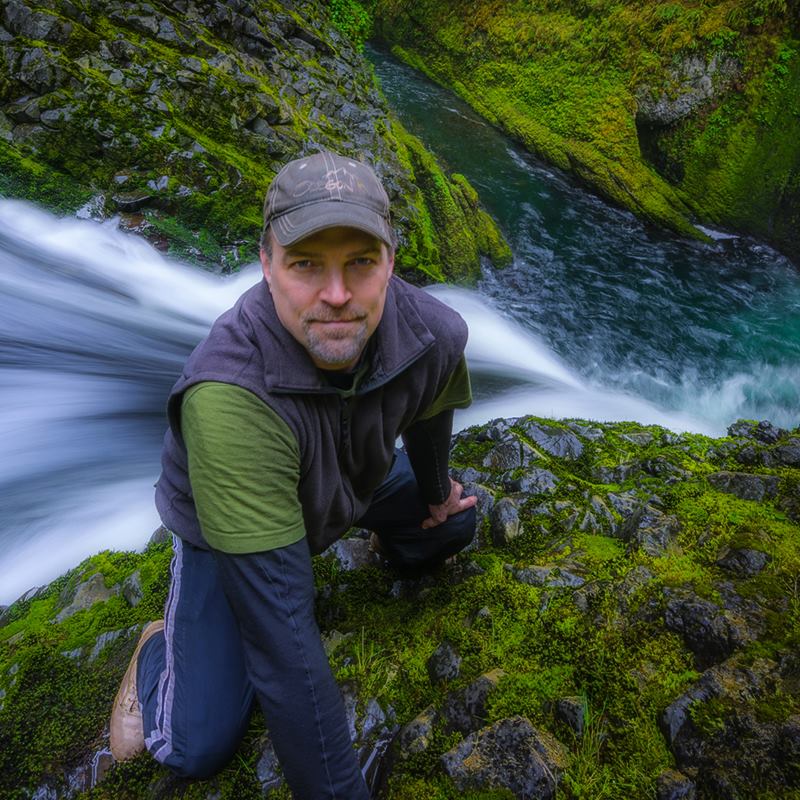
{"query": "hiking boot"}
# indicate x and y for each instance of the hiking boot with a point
(127, 727)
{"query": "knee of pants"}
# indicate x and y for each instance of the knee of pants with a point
(199, 764)
(462, 528)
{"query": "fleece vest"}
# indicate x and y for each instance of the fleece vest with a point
(346, 444)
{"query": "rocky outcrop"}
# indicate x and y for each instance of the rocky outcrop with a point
(176, 115)
(646, 630)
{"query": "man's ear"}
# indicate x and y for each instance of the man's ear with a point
(266, 266)
(391, 262)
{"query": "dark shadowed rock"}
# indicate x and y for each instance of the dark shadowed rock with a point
(672, 785)
(465, 710)
(444, 664)
(268, 769)
(650, 529)
(485, 500)
(555, 441)
(415, 736)
(744, 485)
(572, 712)
(510, 754)
(764, 431)
(743, 562)
(705, 628)
(132, 588)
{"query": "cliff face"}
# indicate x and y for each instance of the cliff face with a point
(682, 113)
(626, 623)
(177, 115)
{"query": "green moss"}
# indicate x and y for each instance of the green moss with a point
(25, 178)
(563, 80)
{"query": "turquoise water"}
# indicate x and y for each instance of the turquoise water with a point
(706, 330)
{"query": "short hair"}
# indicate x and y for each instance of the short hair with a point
(266, 241)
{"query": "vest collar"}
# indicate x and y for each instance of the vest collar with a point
(399, 340)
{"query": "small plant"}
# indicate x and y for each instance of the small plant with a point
(352, 19)
(367, 665)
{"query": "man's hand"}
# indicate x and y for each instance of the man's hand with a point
(453, 505)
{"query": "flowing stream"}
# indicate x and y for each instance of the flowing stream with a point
(599, 317)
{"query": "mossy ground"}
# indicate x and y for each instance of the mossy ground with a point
(605, 643)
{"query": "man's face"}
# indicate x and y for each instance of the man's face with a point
(329, 291)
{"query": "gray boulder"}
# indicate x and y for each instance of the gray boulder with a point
(509, 754)
(444, 664)
(505, 522)
(465, 710)
(554, 441)
(743, 561)
(706, 629)
(91, 591)
(744, 485)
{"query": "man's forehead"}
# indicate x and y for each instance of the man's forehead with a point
(337, 237)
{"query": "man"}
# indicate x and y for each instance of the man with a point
(282, 433)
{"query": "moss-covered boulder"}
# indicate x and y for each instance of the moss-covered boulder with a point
(635, 634)
(681, 112)
(177, 114)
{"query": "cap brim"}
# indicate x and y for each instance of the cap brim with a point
(290, 228)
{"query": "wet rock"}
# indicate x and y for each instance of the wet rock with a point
(744, 485)
(510, 754)
(532, 482)
(550, 577)
(555, 441)
(586, 431)
(92, 591)
(485, 497)
(415, 736)
(128, 202)
(660, 467)
(787, 455)
(353, 553)
(617, 474)
(743, 561)
(764, 431)
(639, 438)
(693, 82)
(505, 522)
(626, 504)
(132, 588)
(160, 535)
(371, 730)
(714, 734)
(705, 628)
(672, 785)
(509, 455)
(444, 664)
(650, 529)
(268, 769)
(572, 712)
(465, 710)
(107, 638)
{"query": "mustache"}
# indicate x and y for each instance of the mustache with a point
(331, 315)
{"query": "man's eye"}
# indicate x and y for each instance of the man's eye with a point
(365, 261)
(305, 263)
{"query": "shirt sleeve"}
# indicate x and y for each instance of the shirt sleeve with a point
(457, 393)
(244, 468)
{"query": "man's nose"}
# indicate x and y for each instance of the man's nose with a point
(335, 291)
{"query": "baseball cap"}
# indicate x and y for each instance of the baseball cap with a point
(325, 190)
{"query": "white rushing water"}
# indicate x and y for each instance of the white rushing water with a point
(94, 328)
